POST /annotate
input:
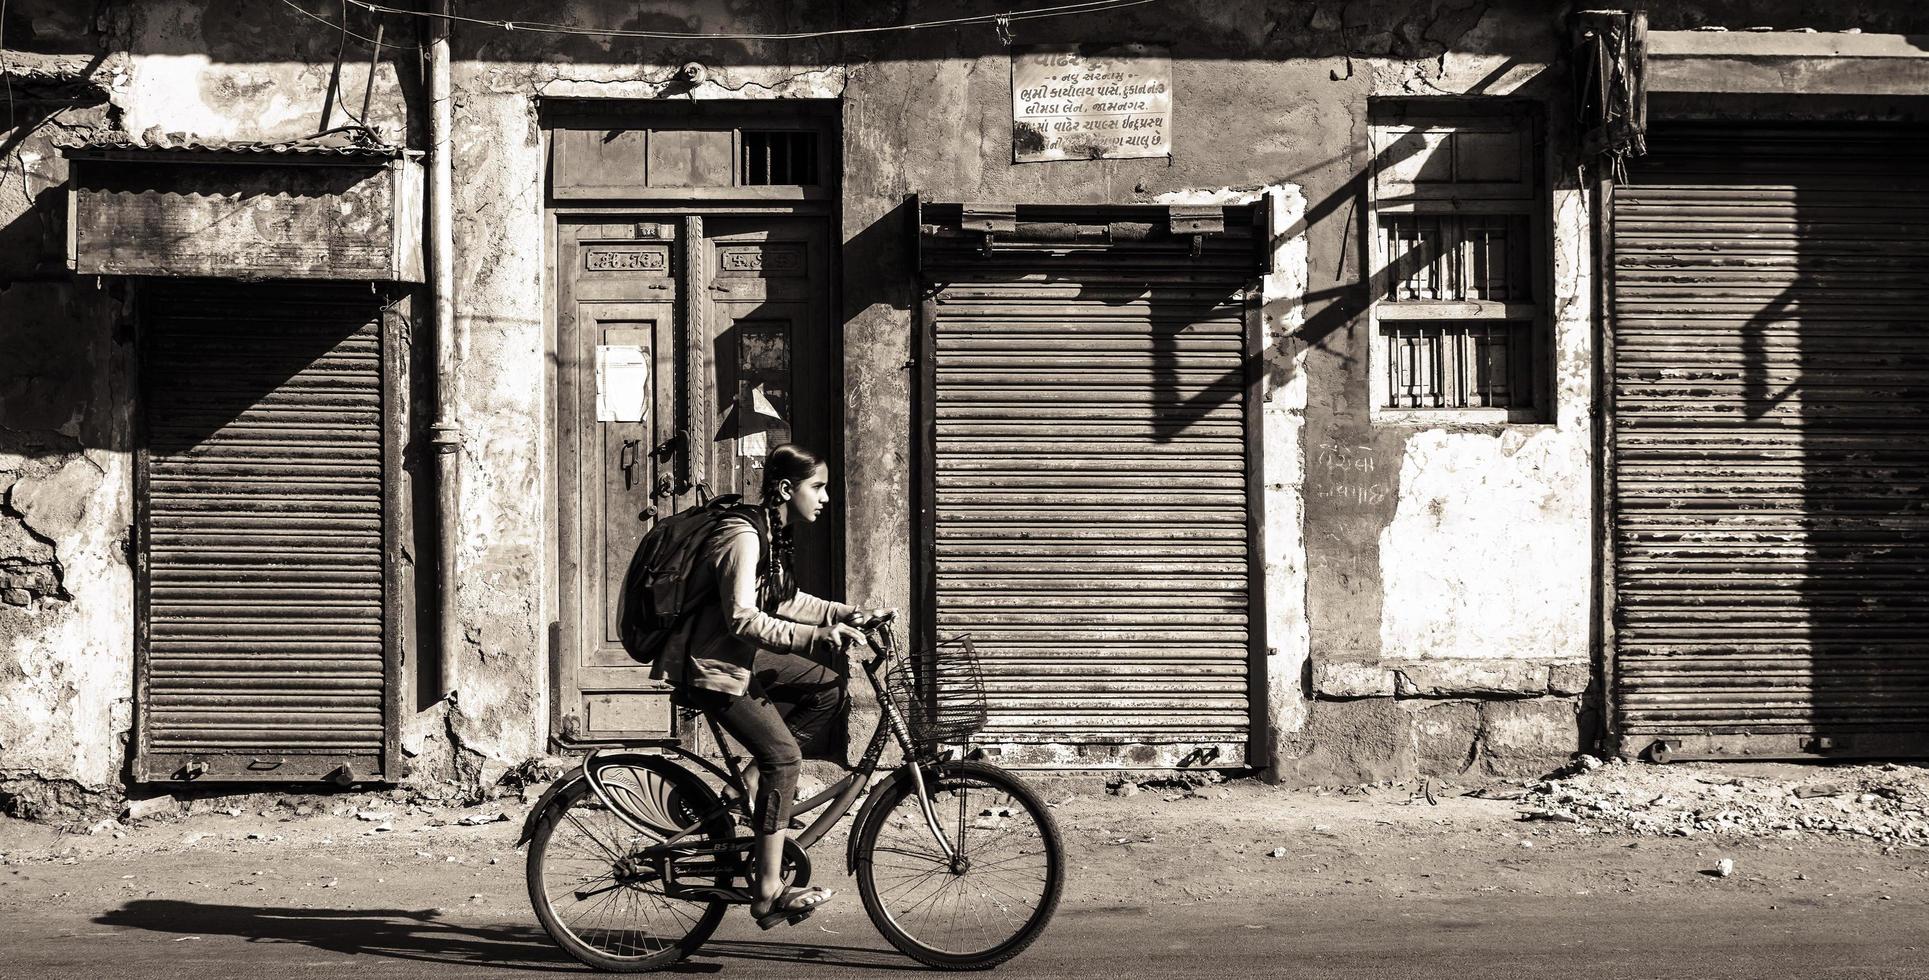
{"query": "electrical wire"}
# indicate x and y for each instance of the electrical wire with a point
(1004, 17)
(335, 78)
(4, 72)
(343, 27)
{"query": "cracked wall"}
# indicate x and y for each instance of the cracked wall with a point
(1459, 554)
(66, 643)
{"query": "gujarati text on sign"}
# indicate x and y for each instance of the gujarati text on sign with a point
(1090, 102)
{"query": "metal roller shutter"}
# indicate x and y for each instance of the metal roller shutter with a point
(1771, 442)
(1088, 415)
(265, 627)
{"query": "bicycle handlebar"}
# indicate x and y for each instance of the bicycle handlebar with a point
(881, 638)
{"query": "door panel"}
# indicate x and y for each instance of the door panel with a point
(615, 328)
(769, 305)
(1771, 423)
(764, 311)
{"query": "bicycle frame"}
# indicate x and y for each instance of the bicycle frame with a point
(838, 798)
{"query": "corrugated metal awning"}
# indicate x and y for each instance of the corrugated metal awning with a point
(345, 145)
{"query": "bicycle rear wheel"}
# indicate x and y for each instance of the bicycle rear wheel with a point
(600, 903)
(986, 904)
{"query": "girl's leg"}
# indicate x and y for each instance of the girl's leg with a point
(809, 695)
(755, 723)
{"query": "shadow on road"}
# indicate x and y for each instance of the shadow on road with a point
(398, 933)
(852, 957)
(423, 935)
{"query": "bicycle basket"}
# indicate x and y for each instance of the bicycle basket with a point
(940, 691)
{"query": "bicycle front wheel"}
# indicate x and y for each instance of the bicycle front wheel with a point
(986, 902)
(600, 901)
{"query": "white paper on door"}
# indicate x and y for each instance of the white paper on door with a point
(622, 382)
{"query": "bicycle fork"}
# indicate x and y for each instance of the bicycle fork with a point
(925, 804)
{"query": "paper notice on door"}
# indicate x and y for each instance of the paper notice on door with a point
(622, 382)
(755, 445)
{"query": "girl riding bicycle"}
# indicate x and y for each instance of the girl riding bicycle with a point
(757, 658)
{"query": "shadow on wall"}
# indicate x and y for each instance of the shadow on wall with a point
(1331, 310)
(1773, 415)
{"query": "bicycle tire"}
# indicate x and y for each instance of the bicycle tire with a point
(678, 792)
(887, 902)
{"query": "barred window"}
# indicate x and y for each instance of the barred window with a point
(772, 157)
(1457, 259)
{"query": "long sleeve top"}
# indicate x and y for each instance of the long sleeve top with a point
(717, 644)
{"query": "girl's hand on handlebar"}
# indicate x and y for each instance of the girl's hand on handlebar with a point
(844, 635)
(868, 619)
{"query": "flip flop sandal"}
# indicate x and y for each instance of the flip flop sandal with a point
(794, 906)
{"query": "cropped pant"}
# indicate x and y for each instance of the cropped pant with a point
(785, 714)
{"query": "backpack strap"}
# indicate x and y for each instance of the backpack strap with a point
(759, 520)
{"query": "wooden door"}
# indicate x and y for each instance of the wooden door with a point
(760, 302)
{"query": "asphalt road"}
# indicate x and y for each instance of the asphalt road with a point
(1339, 936)
(1247, 881)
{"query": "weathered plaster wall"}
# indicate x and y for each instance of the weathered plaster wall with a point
(66, 647)
(66, 644)
(1268, 95)
(261, 72)
(1451, 581)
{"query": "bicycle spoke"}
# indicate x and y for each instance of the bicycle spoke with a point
(597, 898)
(613, 852)
(907, 882)
(994, 890)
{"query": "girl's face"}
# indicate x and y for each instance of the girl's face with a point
(807, 499)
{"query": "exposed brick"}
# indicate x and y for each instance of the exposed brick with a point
(1568, 680)
(1349, 742)
(1444, 733)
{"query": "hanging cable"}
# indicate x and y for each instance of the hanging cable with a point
(343, 27)
(1034, 13)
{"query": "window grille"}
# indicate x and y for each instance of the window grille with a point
(1457, 232)
(772, 157)
(1465, 364)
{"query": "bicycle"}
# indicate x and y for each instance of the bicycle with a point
(634, 859)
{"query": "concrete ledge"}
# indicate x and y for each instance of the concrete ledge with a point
(1352, 680)
(1342, 680)
(1787, 63)
(1453, 678)
(1783, 44)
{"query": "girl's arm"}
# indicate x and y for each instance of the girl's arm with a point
(737, 589)
(812, 611)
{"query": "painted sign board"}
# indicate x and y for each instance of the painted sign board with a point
(177, 213)
(1090, 102)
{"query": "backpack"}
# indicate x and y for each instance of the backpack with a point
(652, 602)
